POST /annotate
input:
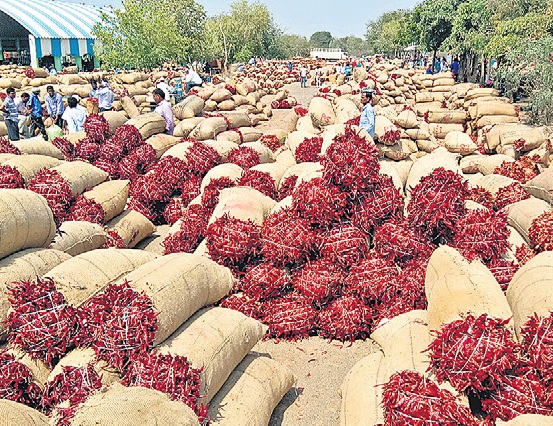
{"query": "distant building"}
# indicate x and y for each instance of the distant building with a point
(47, 32)
(328, 53)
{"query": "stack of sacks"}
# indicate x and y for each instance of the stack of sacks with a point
(514, 139)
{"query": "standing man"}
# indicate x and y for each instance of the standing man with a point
(455, 68)
(164, 109)
(367, 120)
(165, 87)
(11, 115)
(74, 115)
(24, 120)
(105, 96)
(34, 108)
(54, 105)
(192, 79)
(303, 75)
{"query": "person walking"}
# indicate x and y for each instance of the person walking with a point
(11, 115)
(367, 120)
(74, 115)
(34, 107)
(54, 105)
(164, 109)
(303, 76)
(192, 79)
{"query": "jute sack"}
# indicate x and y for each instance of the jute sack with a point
(131, 226)
(161, 142)
(76, 237)
(321, 112)
(275, 170)
(75, 137)
(495, 108)
(455, 287)
(407, 119)
(285, 157)
(440, 130)
(179, 151)
(469, 163)
(111, 195)
(399, 151)
(300, 170)
(230, 136)
(244, 203)
(179, 284)
(14, 413)
(295, 138)
(361, 393)
(129, 78)
(345, 109)
(29, 165)
(250, 134)
(39, 370)
(532, 137)
(229, 170)
(420, 133)
(541, 186)
(428, 145)
(527, 420)
(494, 183)
(189, 107)
(148, 124)
(115, 119)
(531, 289)
(5, 157)
(221, 95)
(130, 107)
(209, 128)
(383, 125)
(460, 142)
(227, 105)
(154, 243)
(237, 118)
(223, 147)
(38, 146)
(478, 92)
(305, 124)
(360, 74)
(489, 120)
(82, 276)
(440, 157)
(122, 406)
(522, 213)
(265, 154)
(80, 175)
(444, 81)
(492, 135)
(421, 97)
(22, 266)
(488, 163)
(26, 221)
(251, 393)
(403, 168)
(216, 339)
(387, 169)
(448, 116)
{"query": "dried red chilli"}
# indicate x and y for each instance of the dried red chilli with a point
(473, 352)
(191, 231)
(242, 303)
(128, 137)
(537, 345)
(6, 147)
(72, 386)
(174, 210)
(96, 127)
(201, 158)
(409, 398)
(286, 187)
(319, 281)
(510, 194)
(309, 149)
(171, 374)
(110, 167)
(264, 281)
(88, 150)
(290, 317)
(301, 111)
(41, 322)
(541, 232)
(523, 253)
(138, 162)
(503, 271)
(190, 188)
(112, 151)
(353, 121)
(210, 196)
(56, 190)
(262, 181)
(522, 170)
(11, 178)
(481, 196)
(344, 245)
(244, 156)
(437, 203)
(391, 136)
(153, 211)
(271, 141)
(30, 72)
(86, 209)
(67, 148)
(119, 324)
(113, 240)
(369, 280)
(345, 318)
(16, 381)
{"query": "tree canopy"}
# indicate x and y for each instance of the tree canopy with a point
(321, 39)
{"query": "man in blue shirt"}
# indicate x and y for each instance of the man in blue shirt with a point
(35, 109)
(54, 105)
(367, 113)
(11, 115)
(455, 68)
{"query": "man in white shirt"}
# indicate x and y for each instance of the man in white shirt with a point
(24, 121)
(74, 115)
(303, 75)
(192, 79)
(165, 87)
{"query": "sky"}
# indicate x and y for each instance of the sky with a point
(304, 17)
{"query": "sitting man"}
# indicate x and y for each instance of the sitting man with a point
(74, 115)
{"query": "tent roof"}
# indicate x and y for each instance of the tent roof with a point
(52, 18)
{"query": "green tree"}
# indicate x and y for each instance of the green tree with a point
(434, 22)
(145, 33)
(321, 39)
(292, 45)
(390, 33)
(355, 46)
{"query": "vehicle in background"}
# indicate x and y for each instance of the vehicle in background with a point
(328, 53)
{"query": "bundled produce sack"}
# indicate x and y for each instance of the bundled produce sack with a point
(15, 413)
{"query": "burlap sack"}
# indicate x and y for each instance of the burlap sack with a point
(76, 237)
(229, 170)
(237, 118)
(532, 137)
(179, 284)
(221, 95)
(305, 124)
(427, 145)
(223, 147)
(161, 142)
(5, 157)
(21, 266)
(541, 186)
(111, 195)
(345, 109)
(440, 130)
(321, 112)
(116, 119)
(469, 163)
(522, 214)
(447, 116)
(154, 242)
(275, 170)
(148, 124)
(129, 77)
(250, 134)
(80, 175)
(29, 165)
(230, 136)
(285, 157)
(26, 221)
(480, 92)
(227, 105)
(444, 81)
(455, 287)
(130, 107)
(495, 108)
(487, 164)
(265, 154)
(216, 339)
(531, 289)
(419, 133)
(14, 413)
(304, 171)
(122, 406)
(39, 370)
(189, 107)
(179, 151)
(131, 226)
(251, 393)
(527, 420)
(209, 128)
(425, 165)
(399, 151)
(489, 120)
(494, 183)
(244, 203)
(407, 119)
(38, 146)
(386, 168)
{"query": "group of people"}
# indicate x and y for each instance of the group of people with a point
(442, 66)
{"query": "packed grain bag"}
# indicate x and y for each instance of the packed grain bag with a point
(251, 393)
(493, 183)
(161, 142)
(265, 154)
(82, 276)
(15, 413)
(407, 119)
(489, 120)
(244, 203)
(522, 213)
(421, 109)
(440, 130)
(528, 420)
(209, 128)
(25, 265)
(76, 237)
(478, 92)
(305, 124)
(530, 290)
(216, 340)
(131, 227)
(185, 127)
(130, 107)
(495, 108)
(460, 142)
(541, 186)
(129, 78)
(227, 105)
(38, 146)
(542, 155)
(189, 107)
(275, 170)
(361, 393)
(426, 165)
(5, 157)
(179, 284)
(111, 195)
(422, 132)
(447, 116)
(228, 170)
(232, 135)
(285, 157)
(346, 110)
(29, 165)
(221, 95)
(80, 175)
(75, 137)
(399, 151)
(179, 151)
(321, 112)
(237, 118)
(154, 242)
(250, 134)
(386, 168)
(469, 163)
(454, 287)
(131, 406)
(528, 137)
(116, 119)
(444, 81)
(427, 145)
(26, 221)
(488, 163)
(148, 124)
(223, 147)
